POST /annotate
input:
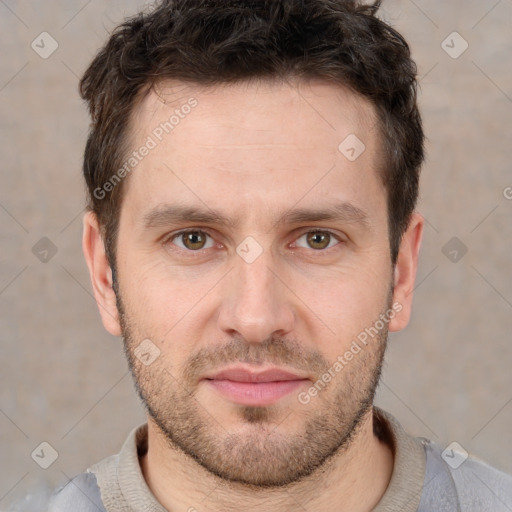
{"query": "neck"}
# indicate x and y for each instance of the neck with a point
(354, 479)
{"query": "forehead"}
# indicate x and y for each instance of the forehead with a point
(307, 108)
(252, 141)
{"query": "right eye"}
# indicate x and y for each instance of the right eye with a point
(192, 240)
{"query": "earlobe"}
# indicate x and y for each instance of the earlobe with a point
(100, 273)
(405, 271)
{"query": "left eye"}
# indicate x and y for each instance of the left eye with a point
(318, 240)
(193, 240)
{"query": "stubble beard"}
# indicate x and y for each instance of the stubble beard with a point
(261, 453)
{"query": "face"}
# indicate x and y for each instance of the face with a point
(250, 240)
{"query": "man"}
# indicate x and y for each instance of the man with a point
(253, 172)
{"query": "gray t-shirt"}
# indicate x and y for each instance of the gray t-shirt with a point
(423, 479)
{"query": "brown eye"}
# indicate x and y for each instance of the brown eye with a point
(191, 240)
(318, 239)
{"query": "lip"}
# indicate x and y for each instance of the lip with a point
(243, 374)
(246, 387)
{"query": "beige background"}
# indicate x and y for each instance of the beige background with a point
(64, 380)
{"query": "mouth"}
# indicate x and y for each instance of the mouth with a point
(244, 386)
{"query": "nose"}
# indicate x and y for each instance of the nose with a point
(256, 303)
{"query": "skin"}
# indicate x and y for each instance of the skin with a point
(298, 305)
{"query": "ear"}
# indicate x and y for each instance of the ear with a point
(405, 272)
(101, 274)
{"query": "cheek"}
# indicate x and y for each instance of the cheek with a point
(145, 296)
(166, 303)
(346, 304)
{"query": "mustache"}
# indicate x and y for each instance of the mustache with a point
(275, 351)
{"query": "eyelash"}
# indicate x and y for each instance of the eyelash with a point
(199, 252)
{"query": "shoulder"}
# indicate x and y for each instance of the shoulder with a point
(80, 494)
(456, 481)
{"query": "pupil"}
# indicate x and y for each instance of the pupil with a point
(318, 238)
(194, 238)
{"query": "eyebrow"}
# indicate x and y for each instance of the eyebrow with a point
(167, 214)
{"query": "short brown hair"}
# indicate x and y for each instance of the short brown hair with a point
(209, 42)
